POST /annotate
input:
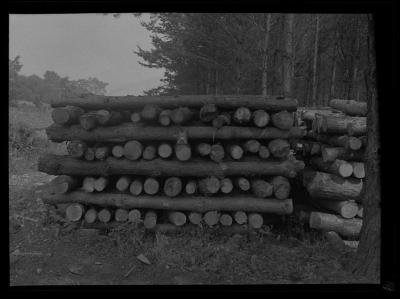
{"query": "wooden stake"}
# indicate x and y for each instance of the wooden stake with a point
(133, 150)
(177, 218)
(255, 220)
(136, 187)
(261, 188)
(151, 186)
(149, 153)
(165, 150)
(260, 118)
(150, 219)
(118, 151)
(240, 217)
(172, 186)
(91, 215)
(211, 218)
(123, 183)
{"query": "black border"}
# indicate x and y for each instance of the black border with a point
(387, 50)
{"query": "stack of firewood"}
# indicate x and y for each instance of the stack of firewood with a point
(214, 160)
(334, 149)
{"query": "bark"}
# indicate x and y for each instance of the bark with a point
(283, 120)
(93, 102)
(315, 59)
(337, 167)
(261, 118)
(66, 115)
(351, 125)
(330, 186)
(200, 204)
(347, 142)
(330, 222)
(347, 209)
(129, 131)
(88, 121)
(350, 107)
(172, 186)
(57, 165)
(74, 212)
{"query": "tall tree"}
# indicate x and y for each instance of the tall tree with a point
(314, 69)
(267, 29)
(288, 55)
(367, 261)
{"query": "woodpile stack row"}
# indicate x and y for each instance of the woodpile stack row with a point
(214, 160)
(333, 151)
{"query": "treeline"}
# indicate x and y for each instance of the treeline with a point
(41, 90)
(313, 57)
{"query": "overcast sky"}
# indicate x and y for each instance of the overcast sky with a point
(84, 45)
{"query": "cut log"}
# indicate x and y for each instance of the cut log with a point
(261, 188)
(149, 112)
(151, 186)
(363, 140)
(172, 186)
(104, 215)
(165, 150)
(203, 149)
(261, 118)
(177, 218)
(102, 152)
(191, 187)
(136, 187)
(149, 152)
(92, 102)
(133, 150)
(88, 121)
(282, 120)
(118, 151)
(240, 217)
(347, 209)
(56, 165)
(88, 184)
(67, 115)
(91, 215)
(134, 216)
(356, 126)
(123, 183)
(263, 153)
(281, 187)
(242, 115)
(226, 185)
(129, 131)
(338, 167)
(243, 184)
(217, 153)
(224, 119)
(211, 218)
(235, 151)
(208, 113)
(279, 148)
(306, 147)
(90, 154)
(121, 215)
(76, 149)
(225, 219)
(350, 107)
(63, 184)
(360, 211)
(330, 222)
(255, 220)
(309, 114)
(195, 218)
(109, 118)
(348, 142)
(136, 117)
(74, 212)
(181, 115)
(165, 118)
(252, 146)
(150, 219)
(198, 204)
(330, 186)
(209, 185)
(183, 152)
(358, 169)
(330, 154)
(100, 184)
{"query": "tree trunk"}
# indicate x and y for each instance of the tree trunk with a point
(315, 58)
(287, 61)
(347, 209)
(126, 132)
(235, 151)
(136, 117)
(57, 165)
(88, 121)
(351, 125)
(333, 73)
(347, 142)
(264, 79)
(200, 204)
(109, 118)
(367, 261)
(330, 222)
(330, 186)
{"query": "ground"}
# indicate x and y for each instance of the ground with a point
(44, 252)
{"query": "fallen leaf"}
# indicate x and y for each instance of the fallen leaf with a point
(75, 269)
(143, 259)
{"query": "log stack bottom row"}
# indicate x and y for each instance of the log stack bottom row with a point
(173, 162)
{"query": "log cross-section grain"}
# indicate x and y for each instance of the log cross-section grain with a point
(191, 187)
(195, 218)
(330, 222)
(226, 185)
(91, 215)
(330, 186)
(264, 153)
(136, 117)
(134, 216)
(104, 215)
(183, 152)
(203, 149)
(358, 169)
(149, 152)
(165, 117)
(235, 151)
(88, 184)
(130, 131)
(123, 183)
(252, 146)
(200, 204)
(209, 185)
(102, 152)
(350, 107)
(181, 115)
(208, 112)
(243, 184)
(121, 215)
(150, 112)
(255, 220)
(92, 102)
(90, 154)
(225, 219)
(224, 119)
(56, 165)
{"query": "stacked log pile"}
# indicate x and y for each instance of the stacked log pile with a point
(204, 160)
(334, 154)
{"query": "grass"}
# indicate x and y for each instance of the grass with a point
(286, 253)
